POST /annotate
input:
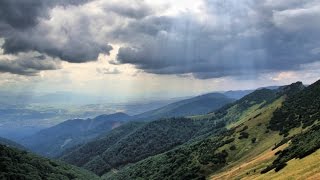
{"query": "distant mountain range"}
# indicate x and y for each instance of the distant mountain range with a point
(198, 105)
(113, 151)
(260, 132)
(52, 141)
(268, 133)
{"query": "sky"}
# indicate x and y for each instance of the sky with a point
(131, 49)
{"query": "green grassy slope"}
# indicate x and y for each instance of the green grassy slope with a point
(255, 139)
(160, 136)
(17, 164)
(294, 130)
(300, 110)
(246, 138)
(204, 156)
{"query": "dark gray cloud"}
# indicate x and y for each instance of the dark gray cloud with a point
(29, 65)
(227, 38)
(20, 14)
(69, 35)
(25, 13)
(74, 49)
(238, 38)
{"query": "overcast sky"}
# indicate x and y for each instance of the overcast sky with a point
(157, 48)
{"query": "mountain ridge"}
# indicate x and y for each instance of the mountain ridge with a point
(52, 141)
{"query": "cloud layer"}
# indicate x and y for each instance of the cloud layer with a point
(236, 38)
(27, 64)
(215, 39)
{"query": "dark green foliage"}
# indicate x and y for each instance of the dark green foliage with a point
(243, 135)
(115, 150)
(243, 129)
(301, 108)
(202, 157)
(291, 89)
(278, 152)
(83, 154)
(301, 146)
(16, 164)
(228, 141)
(257, 115)
(267, 131)
(233, 147)
(282, 142)
(190, 161)
(189, 147)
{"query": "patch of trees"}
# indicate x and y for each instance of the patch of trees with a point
(243, 129)
(301, 108)
(243, 135)
(17, 164)
(117, 150)
(282, 142)
(233, 147)
(301, 146)
(257, 115)
(189, 161)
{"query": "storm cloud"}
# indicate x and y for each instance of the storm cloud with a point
(23, 14)
(220, 38)
(236, 38)
(28, 64)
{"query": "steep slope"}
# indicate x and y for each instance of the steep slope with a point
(160, 136)
(247, 136)
(300, 111)
(86, 154)
(131, 143)
(296, 154)
(17, 164)
(52, 141)
(204, 156)
(193, 106)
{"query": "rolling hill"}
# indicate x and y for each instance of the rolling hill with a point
(52, 141)
(203, 155)
(269, 139)
(267, 133)
(263, 134)
(156, 137)
(135, 141)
